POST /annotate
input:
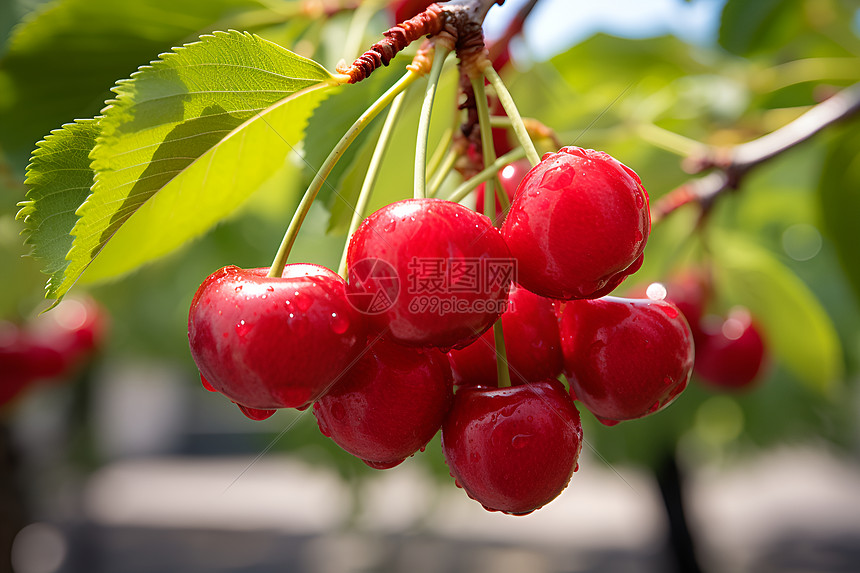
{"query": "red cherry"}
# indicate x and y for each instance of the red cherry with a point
(731, 352)
(388, 405)
(532, 344)
(447, 278)
(512, 449)
(578, 224)
(15, 368)
(626, 358)
(405, 9)
(510, 178)
(273, 342)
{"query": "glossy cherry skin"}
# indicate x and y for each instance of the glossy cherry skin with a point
(532, 344)
(451, 265)
(732, 352)
(513, 449)
(578, 225)
(625, 358)
(389, 404)
(270, 343)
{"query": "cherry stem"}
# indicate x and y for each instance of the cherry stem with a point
(669, 140)
(440, 153)
(440, 53)
(277, 268)
(440, 174)
(493, 188)
(503, 372)
(510, 107)
(371, 176)
(487, 173)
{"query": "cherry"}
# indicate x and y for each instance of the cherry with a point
(448, 276)
(388, 405)
(578, 225)
(512, 449)
(532, 344)
(15, 367)
(406, 9)
(731, 352)
(269, 343)
(625, 358)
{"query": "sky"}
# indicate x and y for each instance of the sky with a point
(558, 24)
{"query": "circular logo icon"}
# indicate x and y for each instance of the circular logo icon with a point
(373, 286)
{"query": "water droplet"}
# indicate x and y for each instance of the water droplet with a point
(639, 236)
(254, 413)
(520, 441)
(206, 384)
(270, 288)
(669, 310)
(390, 226)
(339, 324)
(238, 288)
(475, 457)
(264, 297)
(242, 328)
(557, 178)
(640, 200)
(303, 301)
(656, 291)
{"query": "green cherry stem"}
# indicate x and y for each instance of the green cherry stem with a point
(487, 173)
(511, 109)
(440, 153)
(440, 52)
(487, 148)
(502, 369)
(277, 268)
(440, 174)
(372, 173)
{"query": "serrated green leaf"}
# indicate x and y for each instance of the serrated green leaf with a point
(189, 137)
(63, 58)
(839, 199)
(59, 178)
(797, 329)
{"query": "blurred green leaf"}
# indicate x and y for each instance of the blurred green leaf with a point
(744, 25)
(64, 57)
(59, 178)
(797, 329)
(203, 127)
(839, 199)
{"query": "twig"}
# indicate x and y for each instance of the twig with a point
(732, 164)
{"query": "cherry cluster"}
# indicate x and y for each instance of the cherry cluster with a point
(407, 344)
(48, 347)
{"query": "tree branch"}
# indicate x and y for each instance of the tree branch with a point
(732, 164)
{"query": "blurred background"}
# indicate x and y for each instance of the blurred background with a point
(113, 458)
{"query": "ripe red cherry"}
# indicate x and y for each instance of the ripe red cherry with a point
(405, 9)
(625, 358)
(269, 343)
(532, 344)
(512, 449)
(578, 225)
(731, 352)
(388, 405)
(449, 268)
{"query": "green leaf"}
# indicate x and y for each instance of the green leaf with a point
(59, 178)
(839, 199)
(63, 58)
(188, 139)
(797, 329)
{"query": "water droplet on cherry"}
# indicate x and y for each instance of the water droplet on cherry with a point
(206, 383)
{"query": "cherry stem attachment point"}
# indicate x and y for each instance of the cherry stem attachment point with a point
(511, 109)
(277, 268)
(371, 176)
(440, 53)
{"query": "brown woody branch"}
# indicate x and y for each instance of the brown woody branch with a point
(732, 164)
